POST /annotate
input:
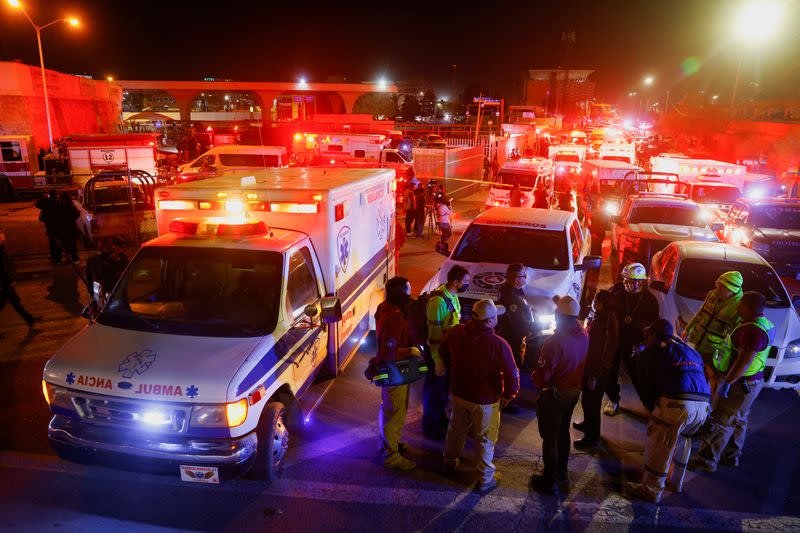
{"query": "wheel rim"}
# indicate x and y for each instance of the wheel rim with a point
(280, 442)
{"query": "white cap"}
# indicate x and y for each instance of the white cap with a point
(567, 306)
(485, 309)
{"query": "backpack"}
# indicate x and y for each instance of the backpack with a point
(418, 316)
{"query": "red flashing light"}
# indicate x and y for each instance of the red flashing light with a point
(242, 230)
(184, 227)
(338, 212)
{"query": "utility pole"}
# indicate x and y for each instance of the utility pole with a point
(453, 93)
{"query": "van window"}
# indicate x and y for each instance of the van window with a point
(361, 154)
(301, 285)
(392, 157)
(10, 151)
(248, 160)
(201, 160)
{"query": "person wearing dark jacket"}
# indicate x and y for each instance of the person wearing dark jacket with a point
(482, 376)
(558, 375)
(105, 269)
(674, 389)
(48, 207)
(603, 346)
(66, 226)
(394, 344)
(636, 309)
(420, 204)
(517, 322)
(8, 293)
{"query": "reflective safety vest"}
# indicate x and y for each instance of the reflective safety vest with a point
(723, 361)
(709, 327)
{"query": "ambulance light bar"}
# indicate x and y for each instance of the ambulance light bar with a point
(236, 206)
(221, 227)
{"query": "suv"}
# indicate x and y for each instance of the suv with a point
(550, 243)
(683, 273)
(648, 223)
(771, 227)
(713, 195)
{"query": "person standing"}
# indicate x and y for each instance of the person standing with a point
(716, 318)
(541, 197)
(48, 208)
(104, 269)
(636, 309)
(394, 344)
(409, 204)
(674, 390)
(442, 313)
(443, 213)
(558, 375)
(741, 366)
(67, 229)
(8, 293)
(517, 322)
(603, 348)
(482, 376)
(420, 203)
(515, 196)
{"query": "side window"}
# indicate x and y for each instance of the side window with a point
(359, 154)
(669, 263)
(10, 151)
(577, 240)
(301, 285)
(392, 157)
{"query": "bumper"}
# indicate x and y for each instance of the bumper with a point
(782, 373)
(76, 440)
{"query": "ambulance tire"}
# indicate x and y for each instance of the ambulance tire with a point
(6, 189)
(273, 441)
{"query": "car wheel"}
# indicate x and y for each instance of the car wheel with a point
(273, 441)
(6, 189)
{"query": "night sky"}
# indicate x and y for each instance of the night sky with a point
(491, 42)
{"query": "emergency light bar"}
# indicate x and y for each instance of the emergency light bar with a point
(237, 206)
(220, 227)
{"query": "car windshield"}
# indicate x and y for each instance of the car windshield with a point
(775, 216)
(567, 158)
(709, 194)
(667, 214)
(515, 178)
(535, 248)
(697, 276)
(249, 160)
(212, 292)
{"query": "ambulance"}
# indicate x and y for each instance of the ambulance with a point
(625, 152)
(528, 173)
(690, 170)
(211, 342)
(601, 184)
(567, 158)
(223, 159)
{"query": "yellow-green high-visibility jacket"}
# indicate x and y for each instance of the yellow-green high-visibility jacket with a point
(722, 361)
(712, 323)
(443, 311)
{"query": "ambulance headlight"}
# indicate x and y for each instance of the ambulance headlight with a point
(155, 417)
(220, 415)
(611, 208)
(792, 350)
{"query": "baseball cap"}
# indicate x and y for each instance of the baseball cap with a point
(484, 309)
(567, 306)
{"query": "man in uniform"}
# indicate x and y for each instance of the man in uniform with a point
(675, 392)
(636, 309)
(715, 319)
(517, 322)
(741, 366)
(443, 312)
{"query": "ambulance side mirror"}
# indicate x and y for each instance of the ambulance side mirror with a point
(331, 309)
(796, 302)
(590, 262)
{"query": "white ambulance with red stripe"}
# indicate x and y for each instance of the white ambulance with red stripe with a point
(212, 340)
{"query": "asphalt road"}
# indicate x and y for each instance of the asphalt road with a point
(334, 480)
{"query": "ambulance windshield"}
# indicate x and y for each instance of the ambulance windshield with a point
(210, 292)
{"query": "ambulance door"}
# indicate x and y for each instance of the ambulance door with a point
(306, 331)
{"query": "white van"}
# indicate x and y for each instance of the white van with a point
(222, 159)
(206, 347)
(623, 152)
(528, 173)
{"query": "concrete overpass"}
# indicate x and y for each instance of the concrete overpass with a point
(338, 97)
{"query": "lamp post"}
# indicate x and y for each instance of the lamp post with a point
(72, 22)
(755, 22)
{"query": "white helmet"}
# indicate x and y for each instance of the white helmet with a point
(634, 271)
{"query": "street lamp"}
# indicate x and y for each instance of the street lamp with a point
(754, 23)
(648, 81)
(72, 21)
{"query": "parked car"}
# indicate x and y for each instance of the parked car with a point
(683, 273)
(432, 141)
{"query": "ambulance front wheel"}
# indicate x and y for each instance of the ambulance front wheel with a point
(273, 441)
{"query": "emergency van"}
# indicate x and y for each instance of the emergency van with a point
(90, 154)
(528, 173)
(567, 158)
(209, 344)
(227, 158)
(625, 152)
(691, 169)
(18, 162)
(602, 180)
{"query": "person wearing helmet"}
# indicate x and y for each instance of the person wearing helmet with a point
(636, 309)
(717, 317)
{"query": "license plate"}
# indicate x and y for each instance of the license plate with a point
(200, 474)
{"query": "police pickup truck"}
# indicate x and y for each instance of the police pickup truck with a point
(204, 349)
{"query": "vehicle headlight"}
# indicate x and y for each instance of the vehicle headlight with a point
(761, 247)
(220, 415)
(611, 208)
(792, 350)
(547, 323)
